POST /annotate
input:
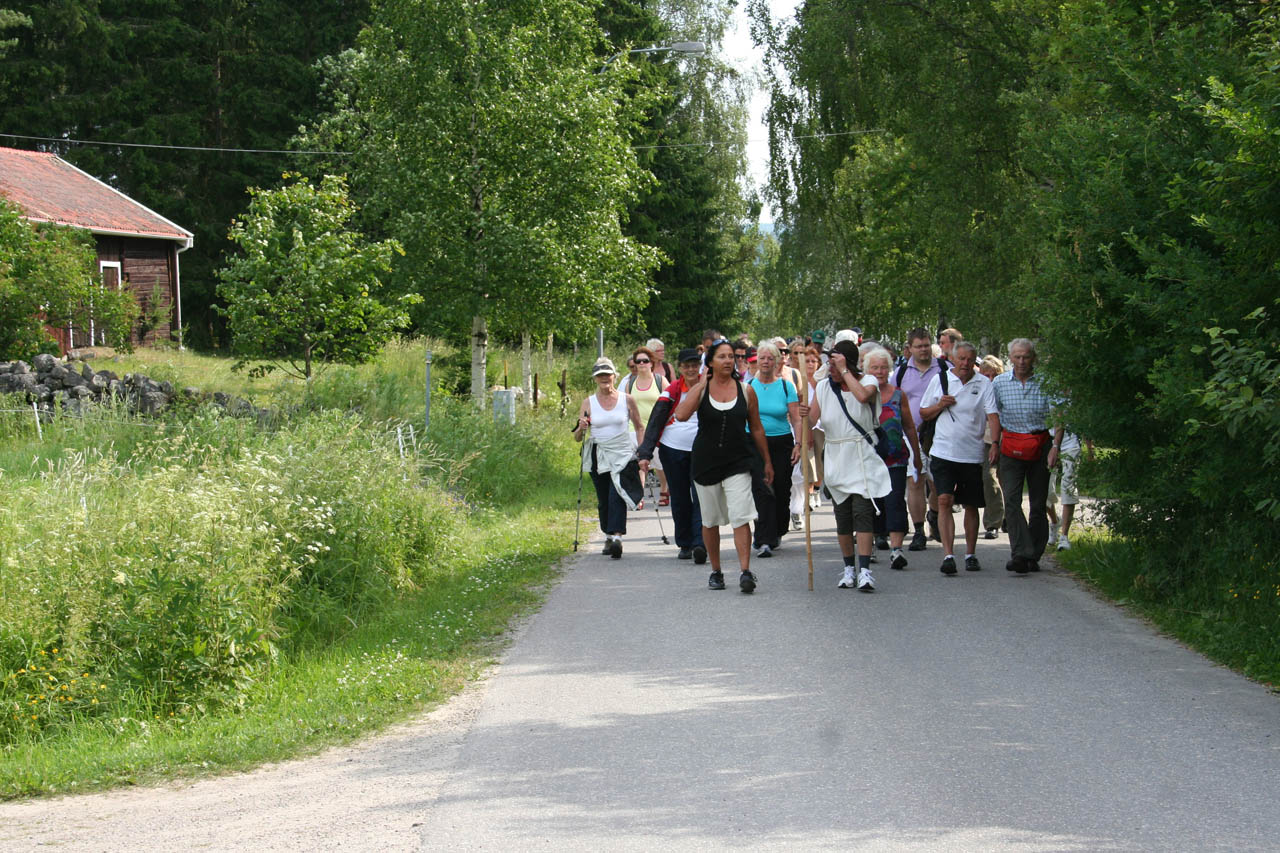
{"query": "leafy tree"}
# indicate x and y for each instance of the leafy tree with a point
(303, 291)
(175, 72)
(48, 277)
(491, 148)
(693, 210)
(1155, 127)
(895, 171)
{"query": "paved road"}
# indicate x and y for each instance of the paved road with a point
(640, 710)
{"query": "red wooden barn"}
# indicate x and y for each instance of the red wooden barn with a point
(137, 247)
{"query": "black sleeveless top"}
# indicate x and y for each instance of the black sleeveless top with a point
(722, 446)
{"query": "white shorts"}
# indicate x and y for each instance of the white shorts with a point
(1065, 479)
(727, 502)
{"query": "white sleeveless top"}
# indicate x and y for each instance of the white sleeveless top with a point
(606, 423)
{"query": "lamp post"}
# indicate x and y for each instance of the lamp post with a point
(680, 48)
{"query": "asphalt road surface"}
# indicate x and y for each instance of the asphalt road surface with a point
(640, 711)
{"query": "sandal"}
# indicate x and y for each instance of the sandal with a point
(664, 499)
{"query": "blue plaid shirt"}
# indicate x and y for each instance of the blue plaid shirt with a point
(1024, 406)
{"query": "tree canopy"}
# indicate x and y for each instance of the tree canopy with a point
(305, 287)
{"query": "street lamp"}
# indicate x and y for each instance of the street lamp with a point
(683, 48)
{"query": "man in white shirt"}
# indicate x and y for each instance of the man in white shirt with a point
(962, 414)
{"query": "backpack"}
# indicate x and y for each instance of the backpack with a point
(925, 430)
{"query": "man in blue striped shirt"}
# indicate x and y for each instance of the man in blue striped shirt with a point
(1023, 453)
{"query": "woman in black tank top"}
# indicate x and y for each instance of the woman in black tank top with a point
(722, 458)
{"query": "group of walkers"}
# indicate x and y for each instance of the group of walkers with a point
(895, 444)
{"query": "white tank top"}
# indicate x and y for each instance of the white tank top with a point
(606, 423)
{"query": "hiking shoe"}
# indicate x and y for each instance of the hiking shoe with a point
(763, 551)
(866, 583)
(971, 564)
(608, 547)
(716, 581)
(874, 558)
(1053, 536)
(899, 561)
(615, 550)
(948, 566)
(699, 555)
(882, 543)
(918, 541)
(685, 554)
(1033, 565)
(795, 521)
(1064, 544)
(1019, 565)
(932, 518)
(846, 580)
(747, 581)
(990, 533)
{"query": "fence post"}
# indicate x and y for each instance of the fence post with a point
(535, 390)
(564, 392)
(400, 440)
(39, 431)
(426, 409)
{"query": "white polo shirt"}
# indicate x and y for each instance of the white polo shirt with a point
(960, 428)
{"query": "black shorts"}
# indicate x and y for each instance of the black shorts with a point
(856, 515)
(963, 480)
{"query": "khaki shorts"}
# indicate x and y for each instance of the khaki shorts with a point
(727, 502)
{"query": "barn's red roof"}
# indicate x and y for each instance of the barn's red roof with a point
(49, 189)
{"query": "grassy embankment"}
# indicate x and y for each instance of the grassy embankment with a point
(201, 593)
(1232, 614)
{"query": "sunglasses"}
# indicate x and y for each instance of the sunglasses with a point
(735, 355)
(643, 361)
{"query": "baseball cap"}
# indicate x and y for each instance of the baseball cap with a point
(603, 365)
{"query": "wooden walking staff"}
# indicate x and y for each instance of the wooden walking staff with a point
(804, 461)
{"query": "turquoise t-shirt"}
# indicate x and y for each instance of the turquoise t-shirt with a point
(773, 399)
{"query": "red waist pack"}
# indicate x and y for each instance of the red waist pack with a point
(1027, 446)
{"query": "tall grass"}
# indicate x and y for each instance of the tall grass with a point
(160, 580)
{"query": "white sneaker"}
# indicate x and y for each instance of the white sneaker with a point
(846, 582)
(795, 521)
(1053, 536)
(815, 501)
(866, 583)
(1064, 544)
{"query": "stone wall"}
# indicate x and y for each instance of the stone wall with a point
(73, 386)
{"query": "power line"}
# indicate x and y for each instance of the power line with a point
(708, 144)
(169, 147)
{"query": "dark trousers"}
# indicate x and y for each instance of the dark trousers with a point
(686, 514)
(1027, 536)
(609, 504)
(773, 506)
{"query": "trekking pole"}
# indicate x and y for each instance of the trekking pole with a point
(653, 492)
(582, 463)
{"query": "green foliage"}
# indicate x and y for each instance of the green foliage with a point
(180, 564)
(175, 72)
(693, 211)
(48, 277)
(487, 144)
(303, 289)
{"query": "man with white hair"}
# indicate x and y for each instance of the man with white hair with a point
(1023, 451)
(963, 412)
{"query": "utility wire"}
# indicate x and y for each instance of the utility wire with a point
(709, 144)
(170, 147)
